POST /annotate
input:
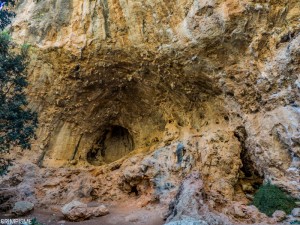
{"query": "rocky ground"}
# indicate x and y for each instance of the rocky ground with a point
(187, 108)
(120, 213)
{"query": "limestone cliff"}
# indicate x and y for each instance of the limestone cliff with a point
(133, 96)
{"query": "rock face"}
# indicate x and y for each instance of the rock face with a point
(22, 208)
(6, 202)
(78, 211)
(188, 199)
(119, 84)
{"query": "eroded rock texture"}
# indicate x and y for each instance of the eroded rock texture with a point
(119, 85)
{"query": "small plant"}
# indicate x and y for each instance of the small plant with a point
(4, 164)
(270, 198)
(34, 221)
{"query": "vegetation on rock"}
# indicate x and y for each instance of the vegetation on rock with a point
(270, 198)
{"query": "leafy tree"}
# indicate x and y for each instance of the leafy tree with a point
(17, 123)
(6, 13)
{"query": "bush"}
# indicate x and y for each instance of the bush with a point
(270, 198)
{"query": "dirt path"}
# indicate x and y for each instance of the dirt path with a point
(122, 214)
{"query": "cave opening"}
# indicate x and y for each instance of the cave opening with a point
(134, 191)
(114, 143)
(250, 179)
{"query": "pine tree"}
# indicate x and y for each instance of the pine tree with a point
(17, 122)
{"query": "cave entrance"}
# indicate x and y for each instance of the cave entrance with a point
(114, 143)
(250, 179)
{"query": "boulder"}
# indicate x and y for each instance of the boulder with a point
(279, 215)
(22, 208)
(75, 211)
(296, 212)
(78, 211)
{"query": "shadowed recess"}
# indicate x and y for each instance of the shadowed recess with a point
(114, 143)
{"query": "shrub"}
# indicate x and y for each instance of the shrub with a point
(270, 198)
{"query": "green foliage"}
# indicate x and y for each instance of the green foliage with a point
(17, 122)
(6, 13)
(270, 198)
(25, 48)
(34, 221)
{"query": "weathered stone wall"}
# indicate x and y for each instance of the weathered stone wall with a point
(191, 72)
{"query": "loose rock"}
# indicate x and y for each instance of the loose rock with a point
(22, 208)
(78, 211)
(75, 211)
(238, 211)
(296, 212)
(279, 215)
